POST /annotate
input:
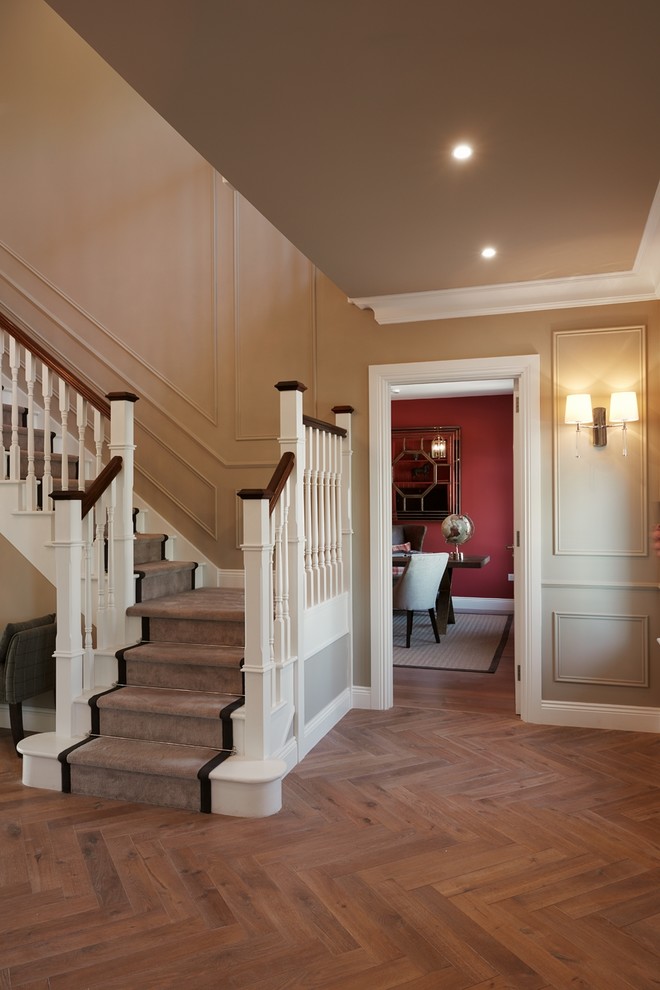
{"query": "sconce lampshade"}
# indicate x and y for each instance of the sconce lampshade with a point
(623, 407)
(578, 408)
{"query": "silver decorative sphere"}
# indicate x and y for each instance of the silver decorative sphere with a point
(457, 529)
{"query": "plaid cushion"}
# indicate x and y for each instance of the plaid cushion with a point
(29, 668)
(14, 627)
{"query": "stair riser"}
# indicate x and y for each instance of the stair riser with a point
(121, 785)
(180, 729)
(227, 633)
(38, 435)
(147, 551)
(149, 588)
(184, 677)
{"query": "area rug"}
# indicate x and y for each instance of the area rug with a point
(474, 643)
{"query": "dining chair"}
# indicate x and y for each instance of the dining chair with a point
(417, 589)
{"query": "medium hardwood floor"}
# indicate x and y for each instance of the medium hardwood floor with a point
(441, 845)
(459, 690)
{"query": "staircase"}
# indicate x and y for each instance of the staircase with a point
(157, 735)
(166, 723)
(173, 690)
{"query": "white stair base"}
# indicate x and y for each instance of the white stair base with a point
(240, 787)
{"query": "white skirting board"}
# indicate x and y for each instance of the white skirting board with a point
(490, 605)
(34, 719)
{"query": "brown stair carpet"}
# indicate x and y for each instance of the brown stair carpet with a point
(157, 735)
(139, 770)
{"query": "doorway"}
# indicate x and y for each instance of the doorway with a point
(475, 472)
(524, 372)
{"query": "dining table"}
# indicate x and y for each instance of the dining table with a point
(444, 606)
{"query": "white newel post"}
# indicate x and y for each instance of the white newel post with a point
(258, 668)
(122, 432)
(68, 546)
(292, 438)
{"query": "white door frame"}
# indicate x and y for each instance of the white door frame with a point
(525, 370)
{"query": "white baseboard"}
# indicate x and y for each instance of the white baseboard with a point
(231, 579)
(34, 719)
(326, 719)
(361, 697)
(490, 605)
(622, 718)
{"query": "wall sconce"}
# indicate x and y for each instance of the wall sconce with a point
(623, 410)
(438, 448)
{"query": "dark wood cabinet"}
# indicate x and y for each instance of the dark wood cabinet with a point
(426, 472)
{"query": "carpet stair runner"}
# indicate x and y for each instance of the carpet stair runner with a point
(167, 723)
(157, 735)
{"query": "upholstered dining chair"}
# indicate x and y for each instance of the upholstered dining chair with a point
(417, 589)
(412, 533)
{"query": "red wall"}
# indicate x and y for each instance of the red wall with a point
(486, 483)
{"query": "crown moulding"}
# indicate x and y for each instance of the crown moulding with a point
(640, 284)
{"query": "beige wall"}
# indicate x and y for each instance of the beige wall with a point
(132, 258)
(25, 592)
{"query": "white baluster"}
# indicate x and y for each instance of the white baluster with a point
(282, 631)
(316, 584)
(110, 537)
(98, 441)
(47, 478)
(335, 442)
(64, 420)
(81, 421)
(99, 558)
(30, 479)
(87, 601)
(309, 576)
(14, 448)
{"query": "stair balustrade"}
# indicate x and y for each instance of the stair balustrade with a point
(297, 535)
(64, 446)
(79, 432)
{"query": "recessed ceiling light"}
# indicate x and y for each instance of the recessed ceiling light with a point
(462, 152)
(488, 252)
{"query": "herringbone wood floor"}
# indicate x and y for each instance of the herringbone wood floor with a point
(442, 845)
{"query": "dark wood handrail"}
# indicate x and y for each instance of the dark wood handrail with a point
(280, 477)
(60, 370)
(318, 424)
(276, 484)
(90, 497)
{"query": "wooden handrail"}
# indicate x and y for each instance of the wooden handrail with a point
(280, 477)
(60, 370)
(318, 424)
(100, 483)
(90, 497)
(276, 484)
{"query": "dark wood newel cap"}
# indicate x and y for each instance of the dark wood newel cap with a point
(343, 409)
(126, 396)
(68, 496)
(248, 493)
(290, 387)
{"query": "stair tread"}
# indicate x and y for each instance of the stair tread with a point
(166, 701)
(200, 604)
(186, 653)
(149, 567)
(142, 756)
